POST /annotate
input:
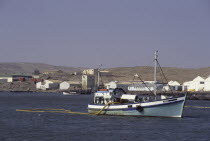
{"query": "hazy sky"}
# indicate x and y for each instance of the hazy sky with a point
(110, 32)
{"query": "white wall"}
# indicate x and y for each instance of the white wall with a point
(47, 85)
(41, 86)
(199, 83)
(134, 88)
(8, 79)
(173, 83)
(207, 84)
(196, 84)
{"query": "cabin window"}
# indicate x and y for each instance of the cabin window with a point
(201, 82)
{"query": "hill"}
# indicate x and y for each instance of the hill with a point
(179, 74)
(115, 74)
(28, 68)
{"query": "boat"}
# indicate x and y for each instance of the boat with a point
(69, 93)
(119, 103)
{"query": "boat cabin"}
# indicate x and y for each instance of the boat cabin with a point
(102, 97)
(105, 96)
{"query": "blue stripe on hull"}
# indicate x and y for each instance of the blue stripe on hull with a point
(174, 109)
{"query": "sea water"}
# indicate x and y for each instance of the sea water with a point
(44, 126)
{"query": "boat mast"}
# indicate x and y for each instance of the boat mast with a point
(155, 74)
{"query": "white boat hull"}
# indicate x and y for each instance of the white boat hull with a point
(165, 108)
(68, 93)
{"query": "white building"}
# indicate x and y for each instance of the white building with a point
(6, 79)
(111, 85)
(196, 84)
(186, 85)
(142, 87)
(207, 84)
(172, 85)
(48, 84)
(69, 84)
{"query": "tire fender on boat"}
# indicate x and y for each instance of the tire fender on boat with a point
(139, 108)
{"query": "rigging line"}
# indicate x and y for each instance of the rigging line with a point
(164, 76)
(162, 80)
(149, 64)
(147, 67)
(132, 83)
(145, 85)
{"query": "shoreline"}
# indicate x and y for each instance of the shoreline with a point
(190, 95)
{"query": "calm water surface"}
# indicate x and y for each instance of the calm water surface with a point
(23, 126)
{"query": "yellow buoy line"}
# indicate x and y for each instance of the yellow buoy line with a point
(63, 110)
(70, 112)
(198, 107)
(49, 111)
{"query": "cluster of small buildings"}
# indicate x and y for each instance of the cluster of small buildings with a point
(198, 84)
(21, 78)
(91, 80)
(56, 84)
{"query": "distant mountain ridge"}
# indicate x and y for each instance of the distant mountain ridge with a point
(115, 74)
(179, 74)
(28, 68)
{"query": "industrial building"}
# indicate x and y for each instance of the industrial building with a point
(88, 82)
